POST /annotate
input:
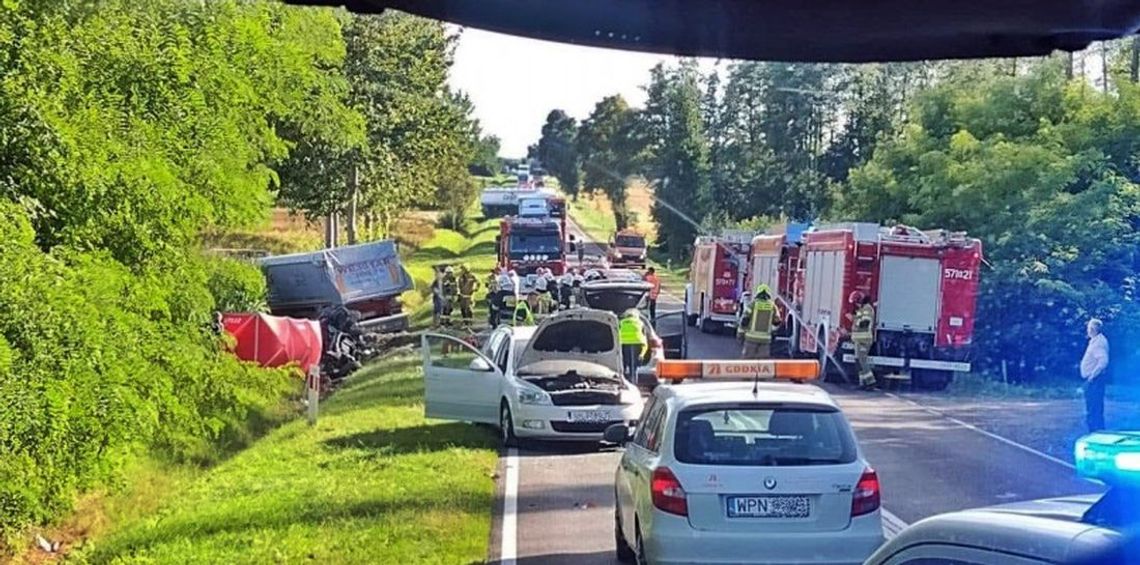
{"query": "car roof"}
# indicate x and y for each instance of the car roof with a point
(690, 394)
(1048, 530)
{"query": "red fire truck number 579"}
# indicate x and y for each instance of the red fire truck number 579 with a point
(959, 274)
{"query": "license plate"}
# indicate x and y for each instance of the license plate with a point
(587, 416)
(768, 506)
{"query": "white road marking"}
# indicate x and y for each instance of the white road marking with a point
(991, 435)
(508, 545)
(892, 524)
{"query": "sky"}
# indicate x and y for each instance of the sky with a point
(515, 82)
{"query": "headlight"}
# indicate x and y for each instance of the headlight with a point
(532, 396)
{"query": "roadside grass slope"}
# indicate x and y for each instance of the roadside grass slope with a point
(473, 246)
(372, 482)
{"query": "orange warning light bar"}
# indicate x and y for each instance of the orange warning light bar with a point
(739, 370)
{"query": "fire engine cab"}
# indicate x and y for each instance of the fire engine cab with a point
(525, 244)
(923, 285)
(716, 276)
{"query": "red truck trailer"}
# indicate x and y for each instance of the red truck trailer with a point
(525, 244)
(924, 288)
(716, 276)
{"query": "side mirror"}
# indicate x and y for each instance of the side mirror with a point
(618, 434)
(480, 364)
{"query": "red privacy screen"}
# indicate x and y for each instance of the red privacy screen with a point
(274, 341)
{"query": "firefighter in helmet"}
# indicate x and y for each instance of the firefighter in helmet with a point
(467, 285)
(863, 336)
(450, 293)
(758, 336)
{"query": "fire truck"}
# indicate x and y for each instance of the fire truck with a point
(525, 244)
(716, 276)
(774, 260)
(923, 285)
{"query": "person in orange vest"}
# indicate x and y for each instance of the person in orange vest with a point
(651, 278)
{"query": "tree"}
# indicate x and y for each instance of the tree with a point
(609, 151)
(558, 152)
(677, 153)
(485, 161)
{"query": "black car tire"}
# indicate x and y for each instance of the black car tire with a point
(507, 426)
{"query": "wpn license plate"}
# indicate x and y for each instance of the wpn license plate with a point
(768, 507)
(584, 416)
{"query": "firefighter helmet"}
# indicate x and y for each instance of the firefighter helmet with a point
(856, 298)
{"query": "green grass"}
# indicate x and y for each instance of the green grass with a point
(473, 246)
(596, 223)
(372, 482)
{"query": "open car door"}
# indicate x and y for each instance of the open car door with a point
(670, 327)
(459, 382)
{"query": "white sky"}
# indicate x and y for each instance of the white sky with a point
(515, 82)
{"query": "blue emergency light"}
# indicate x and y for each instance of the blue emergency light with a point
(1112, 458)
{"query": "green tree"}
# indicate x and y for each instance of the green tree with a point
(485, 161)
(609, 149)
(557, 150)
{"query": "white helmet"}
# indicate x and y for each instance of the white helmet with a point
(540, 284)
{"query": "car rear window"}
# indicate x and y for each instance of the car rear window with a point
(576, 336)
(763, 435)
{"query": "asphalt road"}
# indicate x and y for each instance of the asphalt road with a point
(929, 461)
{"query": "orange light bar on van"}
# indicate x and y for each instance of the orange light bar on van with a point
(741, 369)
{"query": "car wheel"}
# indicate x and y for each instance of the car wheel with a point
(625, 553)
(642, 559)
(507, 427)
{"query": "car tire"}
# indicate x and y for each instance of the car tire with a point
(507, 426)
(625, 553)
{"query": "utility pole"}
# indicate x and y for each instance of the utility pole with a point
(1104, 66)
(1069, 65)
(353, 188)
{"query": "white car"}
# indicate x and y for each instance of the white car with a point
(718, 473)
(561, 380)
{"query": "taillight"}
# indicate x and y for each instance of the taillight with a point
(668, 496)
(866, 497)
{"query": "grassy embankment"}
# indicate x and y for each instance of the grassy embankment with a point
(373, 482)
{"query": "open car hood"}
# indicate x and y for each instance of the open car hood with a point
(579, 336)
(793, 30)
(614, 296)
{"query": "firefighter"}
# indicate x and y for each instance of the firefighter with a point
(654, 292)
(523, 315)
(863, 337)
(565, 288)
(631, 332)
(437, 299)
(468, 284)
(758, 336)
(450, 288)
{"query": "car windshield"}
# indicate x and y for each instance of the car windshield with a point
(762, 436)
(630, 241)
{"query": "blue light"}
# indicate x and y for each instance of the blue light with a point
(1111, 458)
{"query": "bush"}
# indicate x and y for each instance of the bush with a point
(236, 286)
(97, 362)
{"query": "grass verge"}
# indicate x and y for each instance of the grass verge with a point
(473, 246)
(372, 482)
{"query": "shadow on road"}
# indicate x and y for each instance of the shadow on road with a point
(533, 448)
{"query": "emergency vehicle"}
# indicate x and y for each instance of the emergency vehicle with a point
(525, 244)
(774, 260)
(628, 248)
(924, 288)
(716, 276)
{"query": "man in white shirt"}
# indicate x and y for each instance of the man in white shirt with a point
(1093, 366)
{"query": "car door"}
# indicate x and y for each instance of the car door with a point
(638, 462)
(460, 383)
(670, 327)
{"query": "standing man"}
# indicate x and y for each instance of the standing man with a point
(651, 278)
(565, 288)
(436, 298)
(450, 293)
(631, 332)
(758, 336)
(863, 337)
(1093, 365)
(467, 286)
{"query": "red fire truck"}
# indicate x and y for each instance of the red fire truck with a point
(716, 275)
(525, 244)
(924, 288)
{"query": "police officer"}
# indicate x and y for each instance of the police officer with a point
(467, 286)
(863, 337)
(631, 332)
(758, 335)
(450, 288)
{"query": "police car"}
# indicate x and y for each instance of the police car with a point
(735, 470)
(559, 380)
(1080, 529)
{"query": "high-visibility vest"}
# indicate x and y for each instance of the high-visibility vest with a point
(523, 314)
(760, 324)
(864, 323)
(631, 332)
